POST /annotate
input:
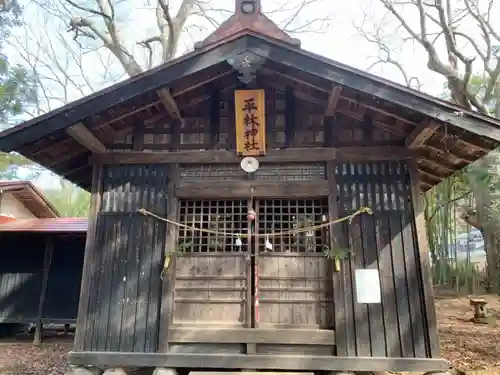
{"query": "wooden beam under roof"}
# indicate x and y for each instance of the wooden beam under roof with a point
(431, 173)
(169, 103)
(432, 177)
(333, 100)
(154, 79)
(86, 138)
(199, 83)
(74, 153)
(379, 88)
(458, 158)
(277, 54)
(421, 134)
(435, 164)
(274, 73)
(357, 114)
(424, 186)
(313, 154)
(467, 143)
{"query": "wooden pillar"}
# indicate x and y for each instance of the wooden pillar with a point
(329, 122)
(138, 138)
(47, 260)
(423, 248)
(252, 267)
(95, 207)
(335, 242)
(214, 127)
(168, 284)
(290, 117)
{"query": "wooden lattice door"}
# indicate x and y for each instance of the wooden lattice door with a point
(293, 276)
(213, 278)
(223, 279)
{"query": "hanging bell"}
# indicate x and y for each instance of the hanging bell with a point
(251, 215)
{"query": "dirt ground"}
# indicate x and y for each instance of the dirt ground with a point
(472, 348)
(22, 358)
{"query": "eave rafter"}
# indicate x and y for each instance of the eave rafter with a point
(421, 134)
(424, 186)
(430, 173)
(442, 149)
(333, 100)
(433, 171)
(435, 164)
(78, 152)
(357, 114)
(381, 123)
(464, 142)
(169, 103)
(429, 128)
(354, 109)
(81, 134)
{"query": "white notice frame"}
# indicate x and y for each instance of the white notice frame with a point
(367, 284)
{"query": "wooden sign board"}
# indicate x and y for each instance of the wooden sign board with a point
(250, 108)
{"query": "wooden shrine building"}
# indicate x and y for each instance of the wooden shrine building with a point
(40, 272)
(239, 278)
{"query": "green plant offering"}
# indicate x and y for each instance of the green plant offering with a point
(182, 247)
(337, 255)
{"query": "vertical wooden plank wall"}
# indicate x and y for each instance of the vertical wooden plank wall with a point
(383, 241)
(424, 258)
(82, 320)
(21, 277)
(168, 281)
(49, 250)
(121, 286)
(21, 274)
(65, 277)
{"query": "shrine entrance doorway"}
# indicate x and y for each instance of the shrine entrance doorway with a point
(294, 278)
(261, 270)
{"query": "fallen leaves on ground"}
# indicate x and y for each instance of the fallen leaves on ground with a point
(23, 358)
(472, 348)
(469, 346)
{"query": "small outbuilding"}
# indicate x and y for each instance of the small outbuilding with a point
(40, 272)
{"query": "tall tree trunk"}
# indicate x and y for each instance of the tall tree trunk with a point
(488, 217)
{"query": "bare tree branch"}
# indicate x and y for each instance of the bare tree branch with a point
(462, 45)
(100, 24)
(446, 17)
(60, 74)
(384, 56)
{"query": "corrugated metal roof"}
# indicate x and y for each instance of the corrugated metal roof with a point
(52, 225)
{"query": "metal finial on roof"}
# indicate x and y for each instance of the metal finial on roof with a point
(247, 7)
(247, 18)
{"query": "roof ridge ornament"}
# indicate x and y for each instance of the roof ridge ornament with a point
(246, 65)
(247, 7)
(247, 18)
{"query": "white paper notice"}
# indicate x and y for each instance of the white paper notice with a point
(367, 286)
